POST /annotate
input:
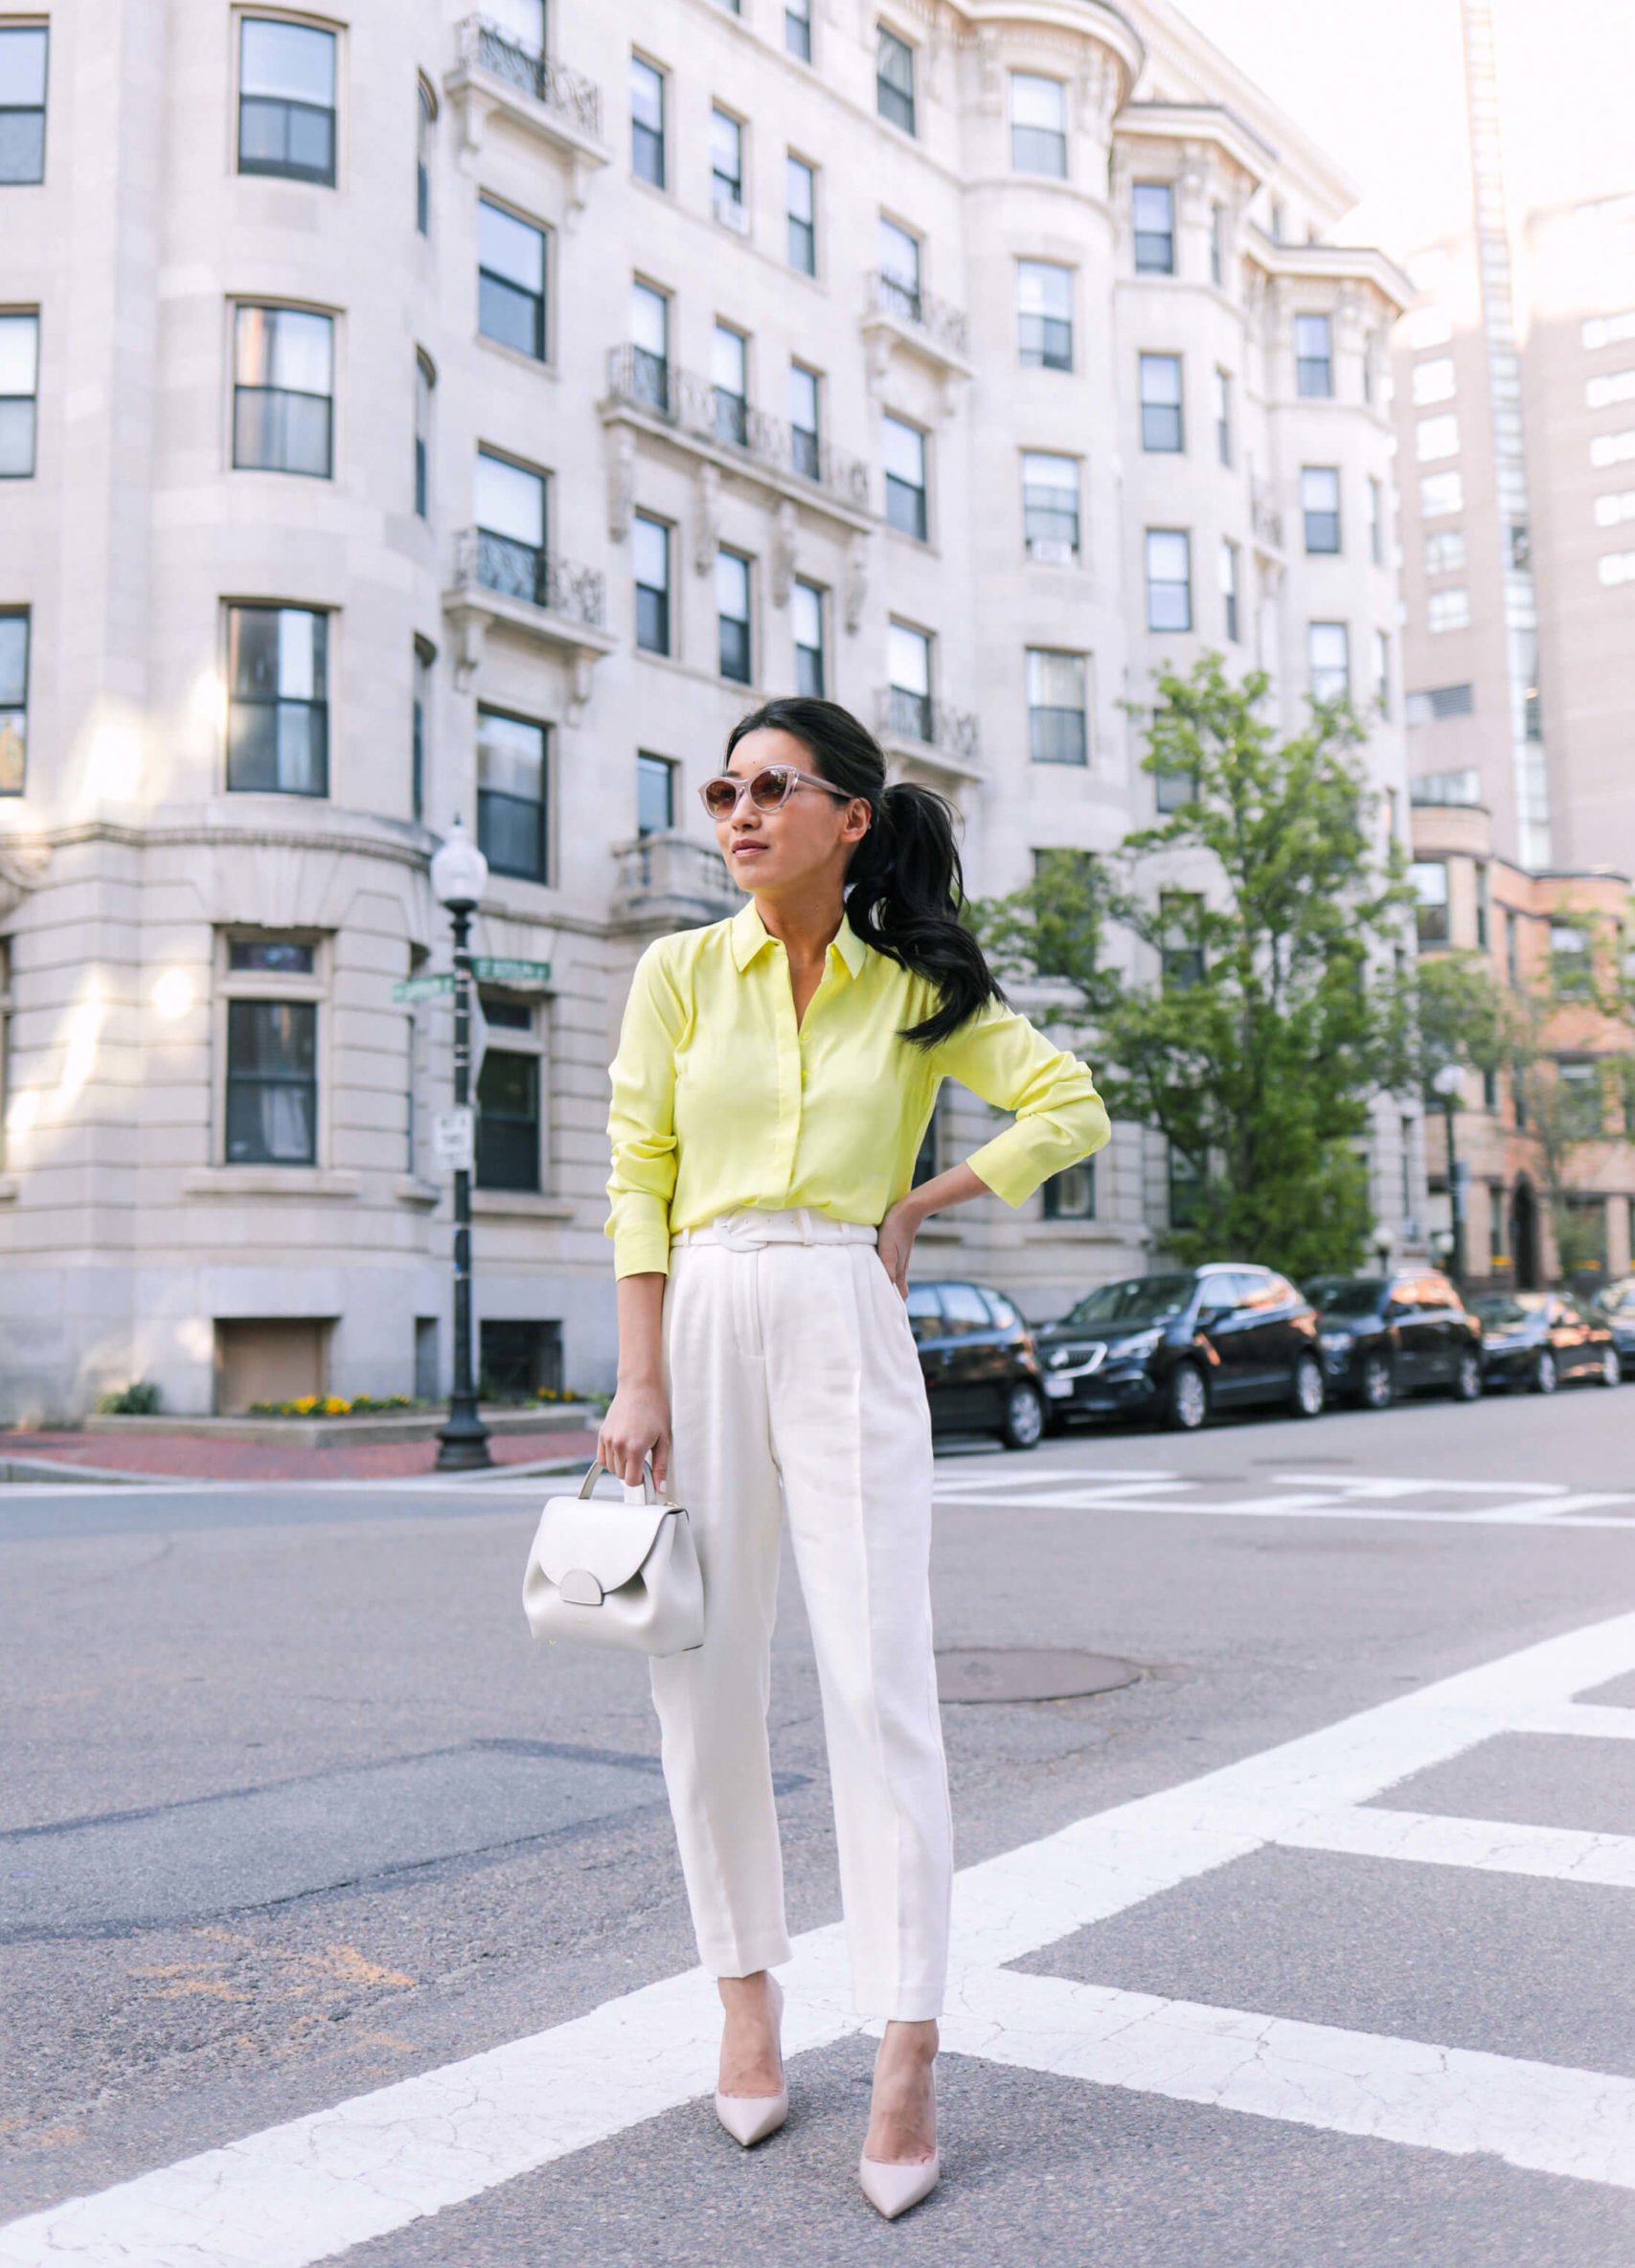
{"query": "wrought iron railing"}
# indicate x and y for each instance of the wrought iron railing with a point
(485, 47)
(696, 406)
(944, 327)
(904, 716)
(522, 571)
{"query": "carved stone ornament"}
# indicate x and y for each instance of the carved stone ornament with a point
(855, 593)
(620, 481)
(782, 553)
(22, 868)
(707, 521)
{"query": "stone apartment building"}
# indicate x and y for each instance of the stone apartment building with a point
(408, 414)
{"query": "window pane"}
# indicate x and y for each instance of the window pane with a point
(521, 21)
(652, 554)
(898, 254)
(284, 346)
(904, 451)
(1435, 437)
(1441, 492)
(13, 660)
(1036, 101)
(22, 67)
(803, 398)
(289, 61)
(271, 1082)
(798, 189)
(729, 360)
(726, 148)
(732, 585)
(509, 501)
(1041, 471)
(808, 615)
(511, 756)
(275, 954)
(19, 354)
(510, 248)
(908, 658)
(1168, 555)
(1056, 680)
(1043, 288)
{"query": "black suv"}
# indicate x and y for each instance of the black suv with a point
(1382, 1336)
(982, 1370)
(1174, 1347)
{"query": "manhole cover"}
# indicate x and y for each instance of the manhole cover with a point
(1020, 1673)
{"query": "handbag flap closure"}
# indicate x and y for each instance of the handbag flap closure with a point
(610, 1540)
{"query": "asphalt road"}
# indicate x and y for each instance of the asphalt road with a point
(293, 1812)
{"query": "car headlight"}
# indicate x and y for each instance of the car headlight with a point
(1134, 1349)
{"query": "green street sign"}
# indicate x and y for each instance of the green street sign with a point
(436, 988)
(489, 971)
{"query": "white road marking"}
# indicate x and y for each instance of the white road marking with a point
(1318, 1496)
(1487, 1845)
(313, 2187)
(1591, 1720)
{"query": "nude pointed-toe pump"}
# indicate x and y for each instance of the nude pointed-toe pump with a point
(891, 2188)
(750, 2118)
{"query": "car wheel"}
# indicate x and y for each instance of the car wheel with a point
(1024, 1417)
(1610, 1371)
(1306, 1388)
(1377, 1389)
(1185, 1398)
(1467, 1378)
(1545, 1377)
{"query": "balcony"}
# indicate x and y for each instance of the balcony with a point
(900, 315)
(541, 94)
(558, 604)
(653, 395)
(668, 880)
(921, 731)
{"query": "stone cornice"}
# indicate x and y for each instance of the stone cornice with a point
(1210, 122)
(1338, 264)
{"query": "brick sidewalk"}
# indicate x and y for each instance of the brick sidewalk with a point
(190, 1456)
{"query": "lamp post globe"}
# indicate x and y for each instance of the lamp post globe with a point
(459, 873)
(459, 876)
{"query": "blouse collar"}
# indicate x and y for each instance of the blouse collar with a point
(749, 934)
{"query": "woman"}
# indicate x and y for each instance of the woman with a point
(775, 1075)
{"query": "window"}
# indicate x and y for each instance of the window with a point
(1168, 579)
(283, 391)
(511, 794)
(1070, 1194)
(649, 354)
(1181, 956)
(1328, 661)
(512, 528)
(1382, 671)
(1435, 437)
(1427, 879)
(1616, 567)
(732, 612)
(1223, 416)
(1572, 968)
(811, 673)
(278, 709)
(286, 100)
(647, 121)
(805, 434)
(1608, 330)
(1483, 906)
(1612, 510)
(1161, 426)
(1444, 550)
(1441, 492)
(1314, 357)
(271, 1115)
(421, 727)
(798, 29)
(19, 389)
(726, 167)
(900, 268)
(893, 79)
(650, 540)
(908, 663)
(511, 281)
(1152, 212)
(1582, 1110)
(425, 125)
(1376, 521)
(424, 381)
(14, 699)
(520, 24)
(905, 448)
(1320, 506)
(1057, 725)
(1601, 394)
(1050, 506)
(729, 373)
(1447, 610)
(1044, 302)
(1513, 948)
(1038, 125)
(1433, 381)
(507, 1113)
(801, 201)
(655, 794)
(1612, 448)
(23, 50)
(1229, 593)
(1217, 244)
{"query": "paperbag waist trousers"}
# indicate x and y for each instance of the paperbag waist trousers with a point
(794, 1388)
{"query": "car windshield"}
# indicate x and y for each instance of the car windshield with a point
(1358, 1297)
(1134, 1298)
(1505, 1309)
(1619, 1299)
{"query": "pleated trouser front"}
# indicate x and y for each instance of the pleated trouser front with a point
(795, 1389)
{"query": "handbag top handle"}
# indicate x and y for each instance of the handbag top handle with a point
(649, 1494)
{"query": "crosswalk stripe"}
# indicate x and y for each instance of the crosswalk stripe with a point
(1486, 1846)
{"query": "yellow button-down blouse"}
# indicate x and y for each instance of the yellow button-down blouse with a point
(719, 1100)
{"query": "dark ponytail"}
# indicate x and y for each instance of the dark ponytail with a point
(905, 889)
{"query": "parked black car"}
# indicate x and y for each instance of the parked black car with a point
(1175, 1347)
(1538, 1339)
(1382, 1336)
(1615, 1306)
(981, 1366)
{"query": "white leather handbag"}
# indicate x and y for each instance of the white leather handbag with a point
(616, 1574)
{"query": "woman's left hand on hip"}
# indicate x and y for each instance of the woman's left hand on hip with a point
(897, 1235)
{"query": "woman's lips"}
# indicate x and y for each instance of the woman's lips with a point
(748, 849)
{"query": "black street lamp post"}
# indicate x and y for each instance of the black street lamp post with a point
(1448, 1081)
(459, 873)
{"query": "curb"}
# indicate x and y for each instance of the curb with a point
(52, 1468)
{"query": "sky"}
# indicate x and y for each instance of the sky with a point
(1381, 88)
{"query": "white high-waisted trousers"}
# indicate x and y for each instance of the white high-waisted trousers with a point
(794, 1385)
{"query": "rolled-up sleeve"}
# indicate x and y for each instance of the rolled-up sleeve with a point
(1060, 1117)
(640, 1119)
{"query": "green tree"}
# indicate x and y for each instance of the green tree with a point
(1277, 1017)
